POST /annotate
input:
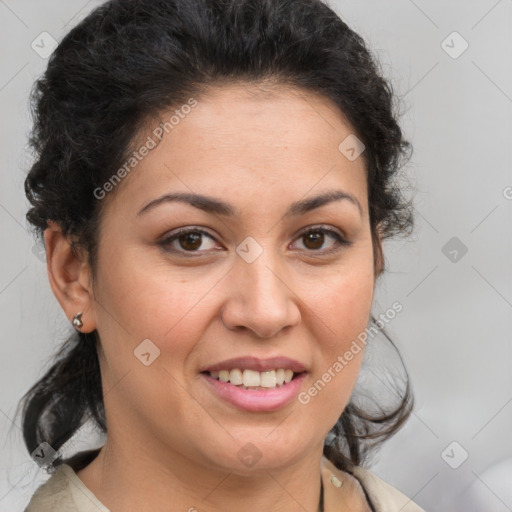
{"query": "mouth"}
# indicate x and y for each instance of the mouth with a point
(254, 380)
(253, 384)
(265, 393)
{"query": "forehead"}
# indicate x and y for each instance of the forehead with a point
(277, 114)
(242, 136)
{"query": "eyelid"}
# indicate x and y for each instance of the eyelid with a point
(321, 227)
(186, 229)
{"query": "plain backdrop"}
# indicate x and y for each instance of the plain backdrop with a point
(450, 63)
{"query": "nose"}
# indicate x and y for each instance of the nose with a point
(260, 297)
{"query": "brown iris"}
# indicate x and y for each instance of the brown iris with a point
(192, 241)
(316, 237)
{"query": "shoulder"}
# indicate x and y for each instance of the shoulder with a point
(382, 496)
(64, 492)
(53, 495)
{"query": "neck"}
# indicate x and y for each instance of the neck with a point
(130, 477)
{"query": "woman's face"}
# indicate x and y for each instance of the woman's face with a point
(248, 281)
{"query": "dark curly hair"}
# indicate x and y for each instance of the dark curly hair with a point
(130, 60)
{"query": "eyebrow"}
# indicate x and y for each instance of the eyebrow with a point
(219, 207)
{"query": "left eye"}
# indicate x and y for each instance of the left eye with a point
(316, 237)
(190, 240)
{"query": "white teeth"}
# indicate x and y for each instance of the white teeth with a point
(236, 377)
(252, 378)
(268, 379)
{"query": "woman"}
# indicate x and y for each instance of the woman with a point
(213, 183)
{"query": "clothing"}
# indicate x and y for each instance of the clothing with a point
(65, 492)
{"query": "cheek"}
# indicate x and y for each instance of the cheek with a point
(141, 301)
(342, 303)
(340, 312)
(151, 299)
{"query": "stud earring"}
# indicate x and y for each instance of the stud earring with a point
(77, 321)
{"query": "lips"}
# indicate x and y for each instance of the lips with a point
(255, 399)
(266, 392)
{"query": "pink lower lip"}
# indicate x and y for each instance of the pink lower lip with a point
(256, 400)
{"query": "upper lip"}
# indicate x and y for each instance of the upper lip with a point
(260, 365)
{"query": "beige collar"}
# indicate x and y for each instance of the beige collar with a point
(342, 491)
(382, 496)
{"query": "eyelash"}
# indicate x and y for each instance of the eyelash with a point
(342, 242)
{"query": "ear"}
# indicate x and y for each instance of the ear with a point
(378, 253)
(69, 276)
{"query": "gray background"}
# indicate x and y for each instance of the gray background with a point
(454, 330)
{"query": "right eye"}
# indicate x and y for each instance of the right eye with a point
(189, 241)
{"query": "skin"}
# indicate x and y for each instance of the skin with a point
(170, 439)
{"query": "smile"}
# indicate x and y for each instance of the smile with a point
(255, 398)
(252, 379)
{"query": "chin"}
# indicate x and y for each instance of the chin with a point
(256, 454)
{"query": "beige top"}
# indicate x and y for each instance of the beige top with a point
(65, 492)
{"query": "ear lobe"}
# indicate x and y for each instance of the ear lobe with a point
(69, 276)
